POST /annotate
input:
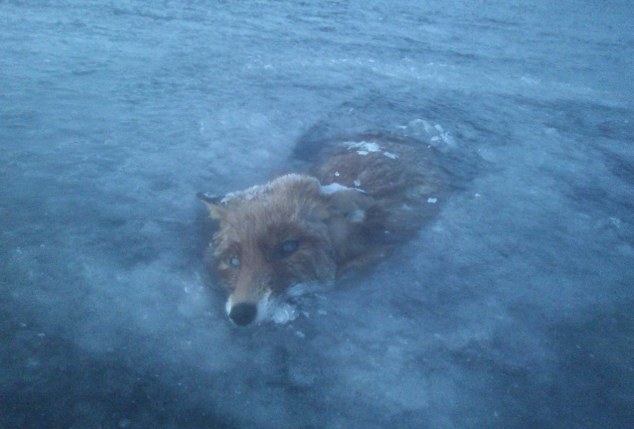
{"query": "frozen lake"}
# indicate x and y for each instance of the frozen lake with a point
(512, 309)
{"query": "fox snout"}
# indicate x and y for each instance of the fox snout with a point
(244, 310)
(250, 289)
(244, 313)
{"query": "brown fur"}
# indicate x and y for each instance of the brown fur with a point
(295, 229)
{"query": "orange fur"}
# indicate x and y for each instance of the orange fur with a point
(359, 199)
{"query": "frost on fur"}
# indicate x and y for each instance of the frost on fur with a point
(310, 228)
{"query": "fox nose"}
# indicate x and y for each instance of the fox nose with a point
(242, 314)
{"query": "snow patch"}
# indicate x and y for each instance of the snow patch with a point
(258, 190)
(284, 313)
(247, 194)
(332, 188)
(363, 147)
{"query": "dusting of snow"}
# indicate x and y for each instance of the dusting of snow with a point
(300, 289)
(332, 188)
(258, 190)
(228, 197)
(363, 148)
(390, 155)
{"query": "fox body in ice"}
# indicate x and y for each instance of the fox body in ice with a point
(360, 197)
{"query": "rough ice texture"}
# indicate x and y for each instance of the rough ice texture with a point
(513, 309)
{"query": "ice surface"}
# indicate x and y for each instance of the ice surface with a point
(511, 309)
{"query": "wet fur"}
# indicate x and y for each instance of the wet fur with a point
(377, 198)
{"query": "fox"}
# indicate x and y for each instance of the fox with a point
(359, 198)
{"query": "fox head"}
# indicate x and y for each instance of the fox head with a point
(291, 230)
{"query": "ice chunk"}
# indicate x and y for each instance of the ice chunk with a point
(446, 137)
(284, 313)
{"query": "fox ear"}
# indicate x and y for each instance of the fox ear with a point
(349, 203)
(213, 203)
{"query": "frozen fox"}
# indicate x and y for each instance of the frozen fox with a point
(361, 196)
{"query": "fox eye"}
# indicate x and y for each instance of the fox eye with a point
(288, 248)
(234, 261)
